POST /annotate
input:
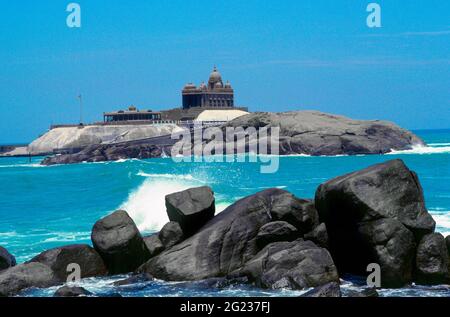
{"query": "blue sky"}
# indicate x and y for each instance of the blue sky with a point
(279, 55)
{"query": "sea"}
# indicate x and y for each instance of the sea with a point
(43, 207)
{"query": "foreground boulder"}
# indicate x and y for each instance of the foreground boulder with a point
(447, 242)
(23, 276)
(432, 261)
(331, 289)
(118, 241)
(7, 260)
(71, 291)
(171, 234)
(375, 215)
(58, 259)
(226, 242)
(294, 265)
(274, 232)
(191, 208)
(318, 235)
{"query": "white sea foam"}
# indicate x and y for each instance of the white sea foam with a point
(420, 149)
(188, 177)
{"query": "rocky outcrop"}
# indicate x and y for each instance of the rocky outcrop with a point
(275, 232)
(227, 241)
(331, 289)
(294, 265)
(71, 291)
(432, 260)
(134, 279)
(171, 234)
(154, 245)
(7, 260)
(375, 215)
(105, 152)
(366, 292)
(118, 241)
(191, 208)
(318, 133)
(58, 259)
(23, 276)
(84, 136)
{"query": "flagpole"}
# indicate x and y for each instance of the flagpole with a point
(81, 109)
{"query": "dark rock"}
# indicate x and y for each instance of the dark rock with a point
(171, 234)
(7, 260)
(225, 243)
(294, 265)
(367, 292)
(392, 246)
(317, 133)
(118, 241)
(154, 245)
(191, 208)
(23, 276)
(275, 232)
(90, 262)
(432, 261)
(318, 235)
(331, 289)
(71, 291)
(353, 206)
(134, 279)
(300, 213)
(447, 242)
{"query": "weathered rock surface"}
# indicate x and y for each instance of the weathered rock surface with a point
(107, 152)
(331, 289)
(23, 276)
(7, 260)
(318, 133)
(118, 241)
(134, 279)
(275, 232)
(58, 259)
(447, 242)
(318, 235)
(191, 208)
(71, 291)
(171, 234)
(225, 243)
(154, 245)
(432, 260)
(374, 216)
(366, 292)
(294, 265)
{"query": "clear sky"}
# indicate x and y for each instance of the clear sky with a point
(278, 54)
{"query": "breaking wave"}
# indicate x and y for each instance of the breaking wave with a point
(420, 149)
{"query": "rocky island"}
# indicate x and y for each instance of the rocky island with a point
(301, 132)
(271, 240)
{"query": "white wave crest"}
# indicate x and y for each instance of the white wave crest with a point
(420, 149)
(188, 177)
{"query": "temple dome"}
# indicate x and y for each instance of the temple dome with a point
(218, 85)
(190, 86)
(215, 76)
(228, 85)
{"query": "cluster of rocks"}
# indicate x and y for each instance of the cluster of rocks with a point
(271, 239)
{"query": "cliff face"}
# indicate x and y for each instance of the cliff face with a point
(76, 137)
(318, 133)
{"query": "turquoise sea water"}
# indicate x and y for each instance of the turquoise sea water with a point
(45, 207)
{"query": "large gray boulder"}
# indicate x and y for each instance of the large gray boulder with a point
(171, 234)
(275, 232)
(447, 242)
(374, 215)
(225, 243)
(118, 241)
(23, 276)
(58, 259)
(294, 265)
(318, 133)
(318, 235)
(432, 260)
(7, 260)
(191, 208)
